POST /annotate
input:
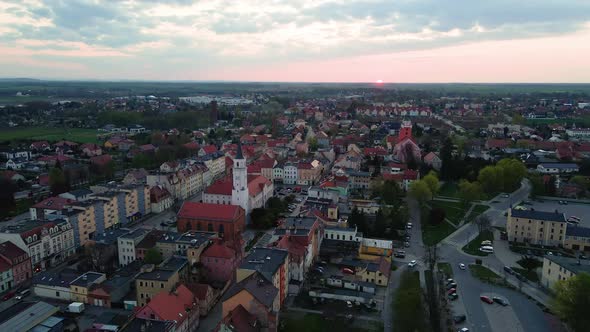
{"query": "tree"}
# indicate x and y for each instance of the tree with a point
(470, 191)
(57, 181)
(420, 191)
(491, 179)
(571, 301)
(358, 219)
(153, 256)
(581, 181)
(483, 223)
(513, 171)
(7, 202)
(381, 223)
(389, 192)
(431, 180)
(529, 263)
(446, 156)
(313, 144)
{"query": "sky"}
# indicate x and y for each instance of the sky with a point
(297, 41)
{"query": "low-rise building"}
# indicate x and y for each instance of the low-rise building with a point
(164, 278)
(536, 227)
(126, 245)
(556, 268)
(17, 264)
(219, 262)
(577, 238)
(178, 305)
(81, 286)
(272, 264)
(557, 168)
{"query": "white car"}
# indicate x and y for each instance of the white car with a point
(462, 266)
(412, 263)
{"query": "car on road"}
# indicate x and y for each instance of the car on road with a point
(451, 291)
(23, 294)
(459, 319)
(450, 280)
(486, 299)
(399, 254)
(412, 263)
(463, 330)
(500, 301)
(452, 285)
(562, 202)
(508, 270)
(347, 271)
(8, 296)
(505, 195)
(453, 296)
(409, 225)
(462, 266)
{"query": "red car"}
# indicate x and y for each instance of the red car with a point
(451, 291)
(8, 296)
(486, 299)
(347, 271)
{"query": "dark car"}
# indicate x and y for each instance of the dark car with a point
(459, 319)
(400, 254)
(508, 270)
(500, 301)
(453, 296)
(486, 299)
(8, 296)
(452, 285)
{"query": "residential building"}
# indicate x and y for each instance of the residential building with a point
(126, 245)
(18, 262)
(81, 286)
(205, 295)
(557, 168)
(48, 243)
(78, 195)
(376, 272)
(178, 305)
(308, 173)
(6, 277)
(272, 264)
(359, 180)
(258, 296)
(290, 173)
(164, 278)
(190, 244)
(556, 268)
(239, 319)
(160, 199)
(536, 227)
(219, 262)
(433, 160)
(47, 206)
(577, 238)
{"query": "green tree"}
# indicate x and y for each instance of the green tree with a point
(7, 202)
(313, 144)
(537, 184)
(513, 171)
(153, 256)
(572, 300)
(381, 224)
(141, 160)
(431, 179)
(407, 304)
(581, 181)
(470, 191)
(358, 219)
(491, 179)
(420, 191)
(57, 181)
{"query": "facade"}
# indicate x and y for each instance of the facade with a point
(47, 243)
(557, 168)
(126, 245)
(160, 199)
(18, 262)
(308, 173)
(153, 281)
(290, 173)
(359, 180)
(577, 238)
(228, 221)
(81, 286)
(536, 227)
(556, 268)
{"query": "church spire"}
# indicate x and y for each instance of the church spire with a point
(239, 155)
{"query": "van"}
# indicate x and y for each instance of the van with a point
(486, 243)
(487, 249)
(23, 294)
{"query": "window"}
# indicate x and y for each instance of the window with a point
(161, 285)
(141, 295)
(57, 294)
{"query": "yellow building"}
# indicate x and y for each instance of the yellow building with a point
(577, 238)
(80, 286)
(536, 227)
(110, 208)
(556, 268)
(154, 280)
(375, 272)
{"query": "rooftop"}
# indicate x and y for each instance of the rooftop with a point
(538, 215)
(261, 289)
(265, 260)
(29, 317)
(571, 264)
(207, 211)
(577, 231)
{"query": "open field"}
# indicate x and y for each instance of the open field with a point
(454, 211)
(432, 235)
(50, 134)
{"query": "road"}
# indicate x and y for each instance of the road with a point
(523, 313)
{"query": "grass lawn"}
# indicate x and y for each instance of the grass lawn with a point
(449, 189)
(434, 234)
(530, 275)
(79, 135)
(318, 323)
(472, 247)
(454, 211)
(483, 273)
(446, 269)
(478, 209)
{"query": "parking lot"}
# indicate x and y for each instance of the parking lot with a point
(579, 210)
(501, 318)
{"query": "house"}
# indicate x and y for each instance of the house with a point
(101, 161)
(48, 205)
(40, 146)
(219, 262)
(12, 176)
(178, 305)
(556, 268)
(229, 221)
(91, 150)
(273, 266)
(16, 163)
(152, 281)
(207, 149)
(17, 261)
(433, 160)
(160, 199)
(376, 272)
(239, 319)
(258, 296)
(126, 245)
(136, 176)
(557, 168)
(82, 285)
(205, 295)
(78, 195)
(577, 238)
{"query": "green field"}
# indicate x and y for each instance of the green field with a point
(50, 134)
(432, 235)
(473, 246)
(478, 209)
(483, 273)
(454, 211)
(449, 189)
(446, 269)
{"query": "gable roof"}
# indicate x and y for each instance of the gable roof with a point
(538, 215)
(258, 286)
(209, 211)
(219, 250)
(241, 320)
(266, 261)
(172, 305)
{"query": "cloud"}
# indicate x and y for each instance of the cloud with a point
(209, 33)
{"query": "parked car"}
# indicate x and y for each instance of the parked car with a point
(453, 296)
(462, 266)
(505, 195)
(412, 263)
(452, 285)
(23, 294)
(347, 271)
(407, 244)
(463, 330)
(450, 280)
(508, 270)
(459, 319)
(500, 301)
(486, 299)
(399, 254)
(8, 296)
(451, 291)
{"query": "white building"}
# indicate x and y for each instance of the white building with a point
(290, 174)
(126, 245)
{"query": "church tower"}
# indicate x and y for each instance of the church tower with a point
(405, 131)
(239, 193)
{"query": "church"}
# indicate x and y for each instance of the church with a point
(248, 191)
(406, 148)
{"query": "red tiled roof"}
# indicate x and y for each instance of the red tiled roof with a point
(220, 187)
(101, 160)
(219, 250)
(192, 145)
(11, 250)
(172, 306)
(497, 143)
(209, 149)
(256, 184)
(4, 266)
(52, 203)
(158, 193)
(393, 177)
(410, 174)
(241, 320)
(208, 211)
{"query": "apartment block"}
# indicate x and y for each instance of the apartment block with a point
(536, 227)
